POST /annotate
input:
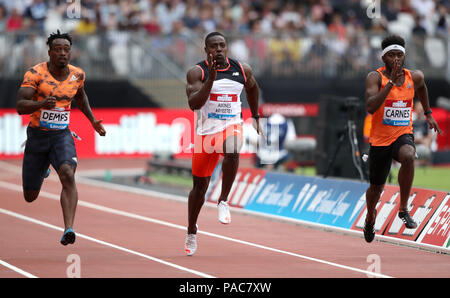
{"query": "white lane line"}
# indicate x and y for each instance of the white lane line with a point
(176, 226)
(18, 270)
(79, 235)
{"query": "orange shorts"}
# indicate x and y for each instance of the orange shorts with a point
(208, 148)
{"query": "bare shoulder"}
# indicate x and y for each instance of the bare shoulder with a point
(247, 68)
(417, 75)
(194, 74)
(373, 75)
(373, 78)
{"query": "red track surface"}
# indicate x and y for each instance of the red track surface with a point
(143, 236)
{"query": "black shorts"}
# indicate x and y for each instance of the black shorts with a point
(380, 158)
(42, 149)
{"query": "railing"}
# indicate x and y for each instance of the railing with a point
(136, 55)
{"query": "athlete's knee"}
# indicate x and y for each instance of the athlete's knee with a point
(30, 195)
(200, 186)
(66, 174)
(407, 155)
(375, 190)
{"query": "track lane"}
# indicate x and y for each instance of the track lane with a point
(224, 258)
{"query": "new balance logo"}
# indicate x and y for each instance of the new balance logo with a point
(235, 74)
(73, 78)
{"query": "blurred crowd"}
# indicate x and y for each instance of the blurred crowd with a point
(294, 34)
(242, 16)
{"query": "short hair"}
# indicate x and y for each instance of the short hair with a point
(213, 34)
(392, 39)
(57, 35)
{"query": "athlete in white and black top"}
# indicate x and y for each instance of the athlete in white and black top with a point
(213, 89)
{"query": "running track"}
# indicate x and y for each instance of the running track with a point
(121, 233)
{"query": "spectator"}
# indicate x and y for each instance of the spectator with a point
(14, 22)
(149, 18)
(442, 27)
(315, 58)
(418, 29)
(3, 18)
(425, 9)
(86, 27)
(315, 25)
(271, 152)
(191, 18)
(337, 27)
(37, 13)
(424, 138)
(168, 12)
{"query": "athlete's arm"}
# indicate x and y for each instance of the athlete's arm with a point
(251, 88)
(252, 91)
(82, 102)
(196, 91)
(422, 93)
(26, 104)
(374, 96)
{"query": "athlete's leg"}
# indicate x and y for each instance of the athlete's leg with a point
(380, 161)
(69, 194)
(63, 157)
(230, 164)
(196, 200)
(405, 174)
(34, 165)
(373, 194)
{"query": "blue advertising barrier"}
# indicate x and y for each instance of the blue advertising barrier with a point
(328, 201)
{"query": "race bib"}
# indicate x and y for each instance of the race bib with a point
(397, 112)
(223, 106)
(54, 119)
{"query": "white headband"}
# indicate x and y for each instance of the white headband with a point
(393, 47)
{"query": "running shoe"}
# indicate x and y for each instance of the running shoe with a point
(224, 212)
(68, 237)
(369, 229)
(407, 219)
(190, 245)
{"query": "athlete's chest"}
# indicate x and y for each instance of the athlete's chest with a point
(62, 90)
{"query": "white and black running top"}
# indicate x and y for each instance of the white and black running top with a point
(223, 106)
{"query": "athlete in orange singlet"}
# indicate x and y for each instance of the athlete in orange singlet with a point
(213, 89)
(46, 93)
(389, 98)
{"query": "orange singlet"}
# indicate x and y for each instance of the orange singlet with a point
(394, 117)
(39, 78)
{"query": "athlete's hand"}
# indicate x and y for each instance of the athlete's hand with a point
(97, 124)
(396, 73)
(433, 124)
(49, 102)
(212, 67)
(257, 127)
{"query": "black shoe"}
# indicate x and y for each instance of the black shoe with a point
(369, 229)
(68, 237)
(407, 219)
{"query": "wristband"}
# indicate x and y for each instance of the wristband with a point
(427, 112)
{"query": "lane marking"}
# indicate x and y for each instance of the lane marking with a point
(16, 187)
(79, 235)
(18, 270)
